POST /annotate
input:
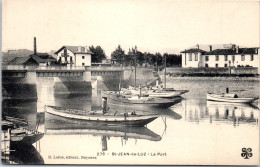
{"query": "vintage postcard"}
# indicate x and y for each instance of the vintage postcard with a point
(132, 82)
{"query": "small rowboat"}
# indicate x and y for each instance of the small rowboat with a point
(228, 97)
(108, 118)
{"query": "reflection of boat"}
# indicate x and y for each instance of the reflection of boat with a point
(141, 100)
(105, 118)
(228, 97)
(61, 126)
(234, 111)
(26, 154)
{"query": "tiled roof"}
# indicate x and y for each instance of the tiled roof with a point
(247, 50)
(221, 52)
(18, 60)
(193, 50)
(73, 49)
(43, 58)
(232, 51)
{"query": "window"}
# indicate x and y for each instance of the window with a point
(206, 65)
(233, 58)
(217, 57)
(66, 59)
(216, 65)
(83, 64)
(252, 58)
(83, 57)
(206, 58)
(226, 57)
(225, 65)
(242, 57)
(196, 56)
(190, 56)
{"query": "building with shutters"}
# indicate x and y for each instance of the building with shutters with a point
(228, 56)
(74, 56)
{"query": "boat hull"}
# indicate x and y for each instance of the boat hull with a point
(109, 120)
(220, 98)
(27, 139)
(158, 102)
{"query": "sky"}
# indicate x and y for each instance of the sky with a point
(151, 25)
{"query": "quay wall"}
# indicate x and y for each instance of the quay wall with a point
(179, 71)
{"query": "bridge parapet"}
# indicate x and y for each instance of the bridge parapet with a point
(103, 68)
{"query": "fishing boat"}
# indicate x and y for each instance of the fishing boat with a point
(141, 101)
(229, 97)
(104, 117)
(155, 92)
(19, 133)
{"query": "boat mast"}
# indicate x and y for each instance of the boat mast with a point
(120, 82)
(135, 64)
(165, 71)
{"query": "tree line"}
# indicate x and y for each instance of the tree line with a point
(133, 56)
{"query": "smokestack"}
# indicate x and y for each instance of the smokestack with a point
(210, 48)
(34, 47)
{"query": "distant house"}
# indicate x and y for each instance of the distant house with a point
(41, 59)
(44, 59)
(74, 56)
(25, 61)
(229, 56)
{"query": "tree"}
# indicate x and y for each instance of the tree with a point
(118, 54)
(98, 54)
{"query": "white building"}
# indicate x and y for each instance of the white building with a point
(230, 56)
(74, 56)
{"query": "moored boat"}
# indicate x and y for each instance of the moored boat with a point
(155, 92)
(229, 97)
(143, 100)
(111, 118)
(19, 133)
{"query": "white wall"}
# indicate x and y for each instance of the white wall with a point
(80, 60)
(191, 63)
(221, 62)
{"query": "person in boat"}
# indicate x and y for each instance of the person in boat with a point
(227, 91)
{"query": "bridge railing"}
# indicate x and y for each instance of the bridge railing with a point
(41, 68)
(105, 68)
(13, 67)
(70, 68)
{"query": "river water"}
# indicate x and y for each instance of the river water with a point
(193, 131)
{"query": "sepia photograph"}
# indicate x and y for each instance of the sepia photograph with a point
(130, 82)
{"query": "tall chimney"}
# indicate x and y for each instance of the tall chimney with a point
(34, 47)
(210, 48)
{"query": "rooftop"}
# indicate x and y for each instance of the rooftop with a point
(75, 49)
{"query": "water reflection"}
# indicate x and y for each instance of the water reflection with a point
(27, 154)
(235, 113)
(63, 127)
(21, 109)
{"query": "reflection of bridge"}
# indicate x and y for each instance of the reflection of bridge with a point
(20, 81)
